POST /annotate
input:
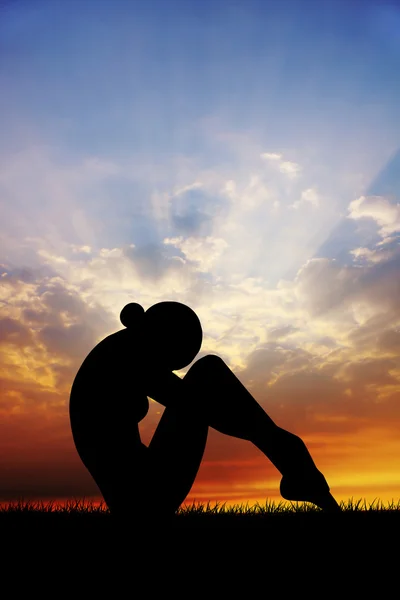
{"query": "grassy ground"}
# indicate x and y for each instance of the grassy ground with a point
(83, 507)
(266, 516)
(208, 543)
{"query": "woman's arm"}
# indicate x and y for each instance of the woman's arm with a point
(165, 387)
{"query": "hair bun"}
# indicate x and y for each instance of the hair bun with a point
(131, 314)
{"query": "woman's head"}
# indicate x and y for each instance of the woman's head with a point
(172, 332)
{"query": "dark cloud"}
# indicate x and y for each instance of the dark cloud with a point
(346, 236)
(389, 341)
(191, 223)
(380, 284)
(308, 401)
(14, 332)
(377, 334)
(371, 371)
(327, 341)
(154, 261)
(281, 332)
(12, 275)
(261, 364)
(366, 335)
(193, 211)
(270, 359)
(304, 393)
(324, 285)
(150, 260)
(318, 402)
(58, 299)
(34, 317)
(69, 341)
(88, 322)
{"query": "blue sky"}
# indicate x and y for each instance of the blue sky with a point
(152, 80)
(135, 122)
(126, 75)
(242, 157)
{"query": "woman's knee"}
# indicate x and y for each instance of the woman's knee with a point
(207, 363)
(204, 378)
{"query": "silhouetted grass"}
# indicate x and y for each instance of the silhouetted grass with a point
(282, 507)
(72, 507)
(84, 507)
(215, 532)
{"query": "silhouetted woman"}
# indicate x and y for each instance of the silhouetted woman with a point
(109, 397)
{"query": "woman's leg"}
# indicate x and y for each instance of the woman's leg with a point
(225, 404)
(174, 456)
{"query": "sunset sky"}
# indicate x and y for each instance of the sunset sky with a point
(239, 156)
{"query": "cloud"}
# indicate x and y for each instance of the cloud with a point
(288, 168)
(81, 249)
(192, 210)
(291, 169)
(153, 261)
(378, 208)
(388, 241)
(13, 332)
(51, 319)
(323, 285)
(196, 209)
(370, 371)
(204, 252)
(281, 332)
(308, 196)
(376, 255)
(251, 196)
(271, 156)
(265, 364)
(389, 341)
(186, 188)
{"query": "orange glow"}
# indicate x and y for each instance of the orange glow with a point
(355, 445)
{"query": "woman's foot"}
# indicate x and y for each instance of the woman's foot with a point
(312, 489)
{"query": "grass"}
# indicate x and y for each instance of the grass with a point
(279, 533)
(78, 516)
(82, 507)
(273, 508)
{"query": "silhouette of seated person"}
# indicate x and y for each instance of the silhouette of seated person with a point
(109, 397)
